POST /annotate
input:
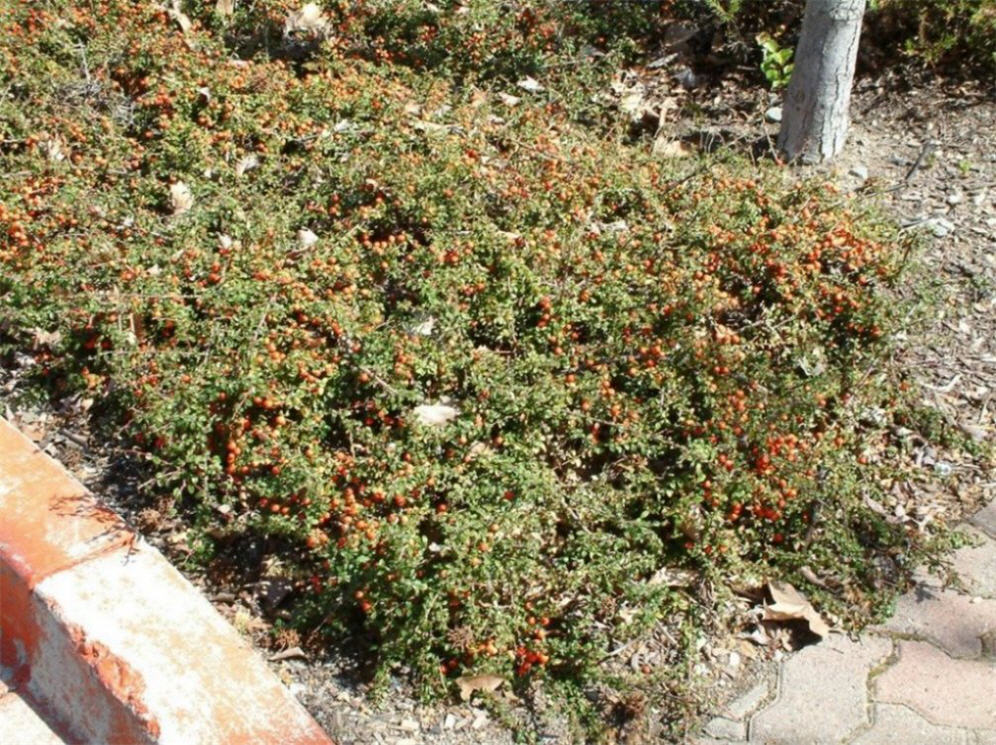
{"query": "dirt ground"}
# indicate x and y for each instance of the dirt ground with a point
(925, 152)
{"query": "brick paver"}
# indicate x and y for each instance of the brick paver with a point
(746, 703)
(976, 565)
(946, 691)
(937, 687)
(985, 519)
(726, 729)
(953, 620)
(822, 693)
(894, 724)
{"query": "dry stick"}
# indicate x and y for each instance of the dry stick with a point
(379, 380)
(927, 149)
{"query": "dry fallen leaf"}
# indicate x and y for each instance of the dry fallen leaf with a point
(430, 127)
(470, 685)
(246, 164)
(758, 635)
(531, 84)
(435, 414)
(224, 7)
(306, 238)
(288, 654)
(810, 576)
(309, 18)
(180, 17)
(423, 328)
(54, 150)
(41, 339)
(788, 604)
(634, 104)
(180, 197)
(664, 148)
(673, 577)
(476, 450)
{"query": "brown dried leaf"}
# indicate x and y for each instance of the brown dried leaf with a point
(180, 197)
(180, 17)
(288, 654)
(531, 85)
(665, 148)
(811, 576)
(470, 685)
(788, 604)
(35, 431)
(41, 339)
(673, 577)
(309, 19)
(435, 414)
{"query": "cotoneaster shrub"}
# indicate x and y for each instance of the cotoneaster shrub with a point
(954, 37)
(270, 272)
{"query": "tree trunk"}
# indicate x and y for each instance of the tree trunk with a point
(815, 112)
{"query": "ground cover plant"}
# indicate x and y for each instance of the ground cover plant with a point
(473, 365)
(959, 36)
(955, 38)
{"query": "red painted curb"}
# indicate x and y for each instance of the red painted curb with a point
(103, 637)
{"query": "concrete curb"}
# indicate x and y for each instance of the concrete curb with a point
(106, 640)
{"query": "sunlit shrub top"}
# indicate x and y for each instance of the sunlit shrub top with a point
(472, 375)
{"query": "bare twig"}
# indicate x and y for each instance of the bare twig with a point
(927, 149)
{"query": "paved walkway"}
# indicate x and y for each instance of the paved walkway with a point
(925, 677)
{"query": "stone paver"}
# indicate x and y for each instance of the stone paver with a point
(747, 703)
(822, 693)
(946, 617)
(726, 729)
(976, 565)
(985, 519)
(946, 691)
(895, 725)
(938, 688)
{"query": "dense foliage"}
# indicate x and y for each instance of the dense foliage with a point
(954, 37)
(473, 374)
(958, 36)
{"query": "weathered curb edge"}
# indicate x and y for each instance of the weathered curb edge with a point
(107, 640)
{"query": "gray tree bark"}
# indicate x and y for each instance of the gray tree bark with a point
(815, 114)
